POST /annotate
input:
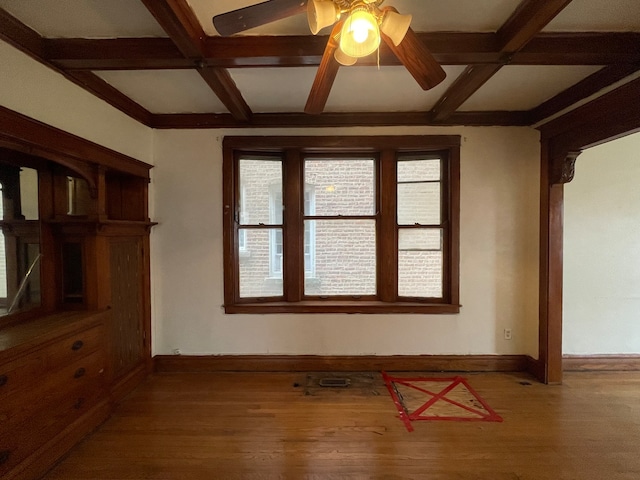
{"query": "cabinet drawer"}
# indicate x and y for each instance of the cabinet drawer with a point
(49, 389)
(23, 372)
(62, 399)
(45, 424)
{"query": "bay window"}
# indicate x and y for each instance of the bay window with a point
(341, 224)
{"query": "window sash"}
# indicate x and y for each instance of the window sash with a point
(296, 254)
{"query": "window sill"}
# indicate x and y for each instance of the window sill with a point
(365, 307)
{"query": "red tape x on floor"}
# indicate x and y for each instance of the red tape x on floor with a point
(449, 399)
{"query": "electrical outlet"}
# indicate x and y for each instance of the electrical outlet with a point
(507, 334)
(176, 351)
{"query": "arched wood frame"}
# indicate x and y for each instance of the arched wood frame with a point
(83, 169)
(89, 160)
(611, 116)
(27, 135)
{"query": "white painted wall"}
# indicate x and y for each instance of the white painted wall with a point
(499, 252)
(499, 235)
(602, 251)
(30, 88)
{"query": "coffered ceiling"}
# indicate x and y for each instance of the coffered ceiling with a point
(508, 62)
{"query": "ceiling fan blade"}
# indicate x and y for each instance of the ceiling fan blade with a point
(255, 15)
(417, 58)
(325, 75)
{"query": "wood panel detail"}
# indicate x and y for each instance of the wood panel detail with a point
(563, 168)
(126, 307)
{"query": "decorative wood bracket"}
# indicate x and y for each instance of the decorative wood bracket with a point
(563, 167)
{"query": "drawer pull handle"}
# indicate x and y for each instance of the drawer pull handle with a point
(79, 373)
(77, 345)
(3, 380)
(4, 456)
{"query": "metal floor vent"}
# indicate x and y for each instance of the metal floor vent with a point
(329, 384)
(334, 382)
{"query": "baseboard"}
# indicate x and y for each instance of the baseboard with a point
(341, 363)
(600, 363)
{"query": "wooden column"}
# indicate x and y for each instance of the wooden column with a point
(555, 171)
(606, 118)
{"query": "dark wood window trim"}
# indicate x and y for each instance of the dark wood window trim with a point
(386, 149)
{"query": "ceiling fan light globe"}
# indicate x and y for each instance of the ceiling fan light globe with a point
(321, 14)
(360, 34)
(344, 59)
(395, 26)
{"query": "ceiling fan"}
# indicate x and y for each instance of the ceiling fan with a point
(358, 28)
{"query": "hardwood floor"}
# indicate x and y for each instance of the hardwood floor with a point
(261, 426)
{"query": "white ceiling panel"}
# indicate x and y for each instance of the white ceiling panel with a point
(85, 18)
(356, 89)
(165, 91)
(523, 87)
(269, 90)
(597, 16)
(428, 15)
(391, 89)
(456, 15)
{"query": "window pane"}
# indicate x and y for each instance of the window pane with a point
(420, 274)
(418, 170)
(345, 258)
(309, 249)
(419, 203)
(260, 185)
(420, 239)
(342, 187)
(261, 263)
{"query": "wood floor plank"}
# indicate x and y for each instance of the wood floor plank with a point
(261, 426)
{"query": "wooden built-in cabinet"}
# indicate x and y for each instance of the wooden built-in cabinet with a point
(53, 388)
(78, 339)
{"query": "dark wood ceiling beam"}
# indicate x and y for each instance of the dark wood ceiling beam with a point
(585, 48)
(178, 20)
(520, 28)
(22, 37)
(376, 119)
(448, 48)
(30, 42)
(299, 51)
(469, 81)
(114, 53)
(175, 17)
(610, 116)
(227, 91)
(581, 90)
(488, 119)
(526, 21)
(101, 89)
